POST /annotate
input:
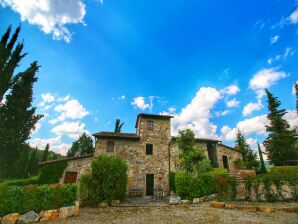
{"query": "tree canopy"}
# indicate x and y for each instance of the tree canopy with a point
(82, 146)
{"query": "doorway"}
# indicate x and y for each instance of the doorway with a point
(149, 184)
(225, 162)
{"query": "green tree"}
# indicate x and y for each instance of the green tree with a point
(248, 155)
(22, 163)
(82, 146)
(192, 158)
(281, 139)
(9, 60)
(45, 153)
(263, 167)
(33, 163)
(296, 93)
(17, 116)
(118, 126)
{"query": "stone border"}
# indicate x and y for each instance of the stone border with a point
(252, 208)
(32, 216)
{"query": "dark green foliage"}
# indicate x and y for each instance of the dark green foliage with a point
(172, 181)
(296, 93)
(248, 155)
(45, 154)
(22, 164)
(217, 181)
(192, 158)
(239, 164)
(107, 181)
(32, 166)
(263, 167)
(15, 199)
(17, 116)
(82, 146)
(281, 142)
(118, 126)
(50, 174)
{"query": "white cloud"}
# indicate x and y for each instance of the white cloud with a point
(250, 107)
(227, 133)
(294, 17)
(71, 129)
(292, 118)
(232, 103)
(230, 90)
(51, 16)
(140, 103)
(121, 97)
(196, 115)
(36, 128)
(56, 144)
(221, 113)
(264, 79)
(274, 39)
(46, 98)
(72, 109)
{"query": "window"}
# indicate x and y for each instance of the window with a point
(70, 177)
(149, 149)
(149, 125)
(110, 146)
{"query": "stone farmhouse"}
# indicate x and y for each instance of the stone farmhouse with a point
(151, 154)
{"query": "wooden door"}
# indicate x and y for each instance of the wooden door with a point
(70, 177)
(149, 184)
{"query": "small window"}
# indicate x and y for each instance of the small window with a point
(149, 125)
(110, 146)
(149, 149)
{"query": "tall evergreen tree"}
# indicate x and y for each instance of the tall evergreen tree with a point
(45, 153)
(17, 116)
(33, 163)
(9, 60)
(296, 93)
(82, 146)
(281, 139)
(248, 155)
(263, 167)
(118, 126)
(22, 163)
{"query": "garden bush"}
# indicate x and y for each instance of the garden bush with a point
(22, 199)
(216, 181)
(107, 181)
(49, 174)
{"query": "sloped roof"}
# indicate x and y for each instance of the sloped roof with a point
(114, 135)
(201, 139)
(66, 159)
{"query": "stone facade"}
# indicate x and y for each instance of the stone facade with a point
(151, 154)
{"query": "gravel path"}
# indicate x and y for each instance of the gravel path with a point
(177, 214)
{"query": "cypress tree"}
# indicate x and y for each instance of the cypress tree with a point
(33, 163)
(82, 146)
(281, 139)
(45, 153)
(296, 93)
(22, 163)
(17, 116)
(248, 155)
(263, 167)
(118, 126)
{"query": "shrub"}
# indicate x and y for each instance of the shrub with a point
(107, 182)
(21, 199)
(49, 174)
(216, 181)
(239, 164)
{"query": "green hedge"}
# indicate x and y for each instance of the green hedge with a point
(21, 199)
(107, 181)
(49, 174)
(172, 181)
(216, 181)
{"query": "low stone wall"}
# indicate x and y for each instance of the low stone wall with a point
(32, 216)
(253, 208)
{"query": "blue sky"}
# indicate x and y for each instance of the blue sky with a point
(205, 62)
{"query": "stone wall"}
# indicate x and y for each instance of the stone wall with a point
(81, 166)
(134, 153)
(232, 155)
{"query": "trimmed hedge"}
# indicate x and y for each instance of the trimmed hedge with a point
(49, 174)
(216, 181)
(107, 181)
(37, 198)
